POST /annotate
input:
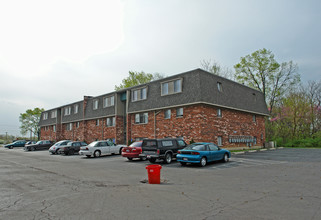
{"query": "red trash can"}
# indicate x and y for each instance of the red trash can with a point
(153, 173)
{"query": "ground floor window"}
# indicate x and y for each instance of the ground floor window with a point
(141, 118)
(219, 141)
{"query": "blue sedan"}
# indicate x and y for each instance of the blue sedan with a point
(202, 153)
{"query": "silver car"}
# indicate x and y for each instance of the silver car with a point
(55, 148)
(99, 148)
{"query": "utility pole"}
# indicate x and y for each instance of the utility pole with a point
(6, 136)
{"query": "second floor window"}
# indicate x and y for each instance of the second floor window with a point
(139, 94)
(109, 101)
(95, 104)
(45, 116)
(67, 110)
(219, 86)
(76, 108)
(171, 87)
(141, 118)
(54, 114)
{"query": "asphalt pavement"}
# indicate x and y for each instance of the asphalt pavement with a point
(272, 184)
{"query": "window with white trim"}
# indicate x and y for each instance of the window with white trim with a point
(139, 94)
(76, 109)
(77, 124)
(109, 101)
(219, 112)
(67, 110)
(111, 122)
(69, 126)
(95, 104)
(141, 118)
(219, 140)
(54, 128)
(179, 112)
(171, 87)
(45, 116)
(167, 114)
(54, 114)
(97, 122)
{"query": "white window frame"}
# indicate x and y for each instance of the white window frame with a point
(67, 110)
(45, 116)
(179, 112)
(111, 122)
(109, 101)
(77, 124)
(139, 94)
(172, 87)
(69, 127)
(95, 104)
(219, 141)
(54, 114)
(141, 118)
(54, 128)
(76, 109)
(219, 113)
(167, 114)
(97, 122)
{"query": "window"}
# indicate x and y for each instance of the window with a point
(167, 113)
(97, 122)
(177, 86)
(219, 112)
(139, 94)
(67, 110)
(109, 101)
(254, 118)
(77, 124)
(54, 128)
(69, 126)
(54, 114)
(181, 143)
(213, 147)
(95, 104)
(219, 140)
(219, 86)
(111, 122)
(171, 87)
(254, 141)
(141, 118)
(179, 112)
(45, 116)
(76, 108)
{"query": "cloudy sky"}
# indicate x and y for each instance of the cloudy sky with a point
(54, 52)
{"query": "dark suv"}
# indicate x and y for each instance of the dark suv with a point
(71, 148)
(164, 149)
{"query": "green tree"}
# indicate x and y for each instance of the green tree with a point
(137, 78)
(261, 71)
(29, 121)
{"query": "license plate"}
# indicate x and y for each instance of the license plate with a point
(185, 159)
(127, 150)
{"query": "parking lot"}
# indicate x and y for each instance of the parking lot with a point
(273, 184)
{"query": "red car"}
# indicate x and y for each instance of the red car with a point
(133, 151)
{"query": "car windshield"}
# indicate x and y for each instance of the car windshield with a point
(199, 147)
(70, 144)
(136, 144)
(92, 144)
(39, 142)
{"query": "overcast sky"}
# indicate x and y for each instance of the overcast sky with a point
(54, 52)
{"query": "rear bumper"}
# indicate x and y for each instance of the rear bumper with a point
(130, 155)
(188, 158)
(85, 153)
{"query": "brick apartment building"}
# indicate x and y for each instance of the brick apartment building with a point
(194, 105)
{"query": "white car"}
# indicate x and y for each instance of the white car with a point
(99, 148)
(55, 148)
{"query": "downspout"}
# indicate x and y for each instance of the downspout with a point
(155, 114)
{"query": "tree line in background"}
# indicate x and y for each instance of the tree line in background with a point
(295, 109)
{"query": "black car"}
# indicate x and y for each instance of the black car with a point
(31, 142)
(71, 148)
(40, 145)
(20, 143)
(164, 149)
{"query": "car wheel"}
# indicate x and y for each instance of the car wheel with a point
(10, 147)
(97, 153)
(183, 163)
(57, 151)
(168, 158)
(129, 158)
(143, 158)
(203, 161)
(152, 160)
(225, 158)
(32, 148)
(88, 156)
